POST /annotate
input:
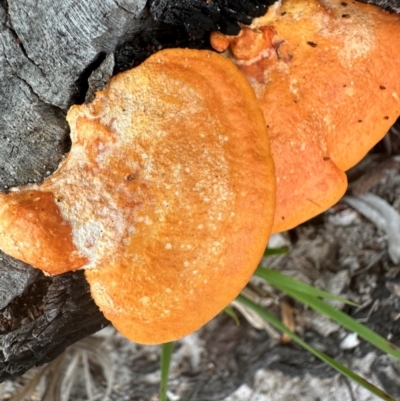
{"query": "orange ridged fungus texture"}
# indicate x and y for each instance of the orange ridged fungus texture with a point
(167, 195)
(327, 77)
(33, 230)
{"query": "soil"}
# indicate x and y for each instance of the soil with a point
(340, 251)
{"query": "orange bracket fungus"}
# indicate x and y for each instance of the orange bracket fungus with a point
(327, 77)
(166, 197)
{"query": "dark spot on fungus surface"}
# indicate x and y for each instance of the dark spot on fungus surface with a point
(382, 87)
(360, 121)
(312, 44)
(345, 15)
(284, 13)
(344, 4)
(386, 117)
(282, 53)
(130, 177)
(327, 158)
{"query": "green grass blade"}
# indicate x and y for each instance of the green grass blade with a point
(325, 358)
(276, 251)
(338, 316)
(230, 312)
(166, 353)
(275, 278)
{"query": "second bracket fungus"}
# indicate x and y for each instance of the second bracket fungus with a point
(327, 77)
(166, 198)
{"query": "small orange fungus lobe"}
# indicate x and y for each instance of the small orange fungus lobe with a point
(250, 44)
(30, 221)
(316, 75)
(166, 197)
(219, 42)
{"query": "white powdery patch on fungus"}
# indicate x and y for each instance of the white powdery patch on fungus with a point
(352, 29)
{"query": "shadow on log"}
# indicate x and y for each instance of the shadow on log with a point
(52, 314)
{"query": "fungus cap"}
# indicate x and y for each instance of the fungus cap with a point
(327, 77)
(167, 195)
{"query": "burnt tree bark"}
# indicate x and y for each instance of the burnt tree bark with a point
(48, 52)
